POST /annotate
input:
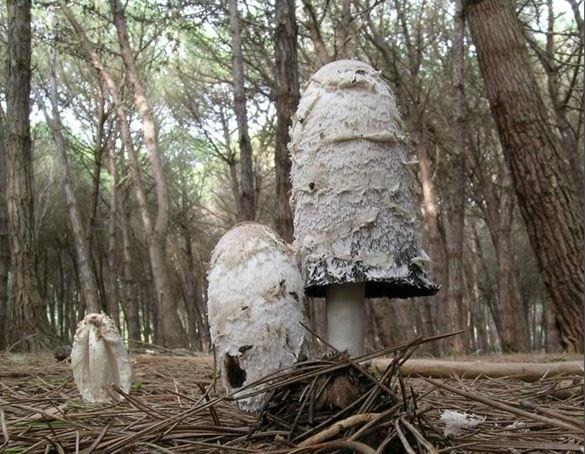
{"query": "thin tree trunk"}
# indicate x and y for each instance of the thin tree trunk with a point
(87, 279)
(549, 201)
(446, 318)
(45, 295)
(98, 156)
(287, 98)
(130, 305)
(4, 237)
(514, 333)
(316, 307)
(248, 202)
(476, 297)
(111, 275)
(550, 328)
(370, 328)
(458, 188)
(27, 314)
(190, 293)
(60, 291)
(394, 321)
(345, 45)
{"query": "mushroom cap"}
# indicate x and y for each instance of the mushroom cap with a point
(255, 307)
(354, 216)
(99, 359)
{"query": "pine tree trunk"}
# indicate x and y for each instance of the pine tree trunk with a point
(458, 189)
(542, 178)
(4, 239)
(198, 331)
(394, 320)
(86, 276)
(113, 265)
(27, 314)
(476, 296)
(287, 98)
(130, 305)
(551, 330)
(247, 195)
(513, 319)
(345, 44)
(444, 314)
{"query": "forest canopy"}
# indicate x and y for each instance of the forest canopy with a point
(155, 126)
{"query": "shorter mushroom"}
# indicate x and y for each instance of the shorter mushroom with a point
(255, 308)
(99, 359)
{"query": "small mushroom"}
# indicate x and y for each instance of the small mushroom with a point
(355, 223)
(255, 308)
(99, 359)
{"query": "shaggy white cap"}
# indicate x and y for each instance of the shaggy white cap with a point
(255, 307)
(355, 218)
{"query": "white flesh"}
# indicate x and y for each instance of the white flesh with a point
(99, 359)
(345, 317)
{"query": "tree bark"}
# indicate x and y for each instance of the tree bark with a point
(476, 296)
(198, 329)
(27, 314)
(393, 320)
(287, 98)
(87, 278)
(113, 265)
(514, 333)
(248, 200)
(130, 305)
(458, 195)
(548, 199)
(4, 238)
(551, 331)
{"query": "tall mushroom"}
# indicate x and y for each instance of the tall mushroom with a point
(99, 359)
(255, 307)
(355, 223)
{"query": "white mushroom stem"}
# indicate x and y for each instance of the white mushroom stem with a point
(345, 317)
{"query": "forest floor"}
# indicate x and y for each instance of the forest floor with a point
(172, 407)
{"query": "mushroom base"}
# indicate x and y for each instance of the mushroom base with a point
(345, 317)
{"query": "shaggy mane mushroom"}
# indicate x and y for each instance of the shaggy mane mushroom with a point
(255, 307)
(355, 223)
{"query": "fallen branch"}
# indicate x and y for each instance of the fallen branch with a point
(530, 372)
(355, 446)
(339, 427)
